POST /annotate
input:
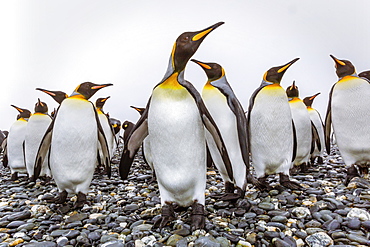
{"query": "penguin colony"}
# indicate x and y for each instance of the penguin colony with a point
(181, 131)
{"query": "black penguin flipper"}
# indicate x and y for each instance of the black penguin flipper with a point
(4, 145)
(294, 142)
(24, 152)
(211, 126)
(43, 150)
(327, 129)
(315, 138)
(103, 143)
(134, 140)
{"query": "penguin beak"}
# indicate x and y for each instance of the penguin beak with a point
(18, 109)
(203, 33)
(283, 68)
(203, 65)
(96, 87)
(337, 61)
(292, 86)
(105, 99)
(314, 96)
(46, 91)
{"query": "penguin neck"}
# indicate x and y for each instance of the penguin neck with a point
(347, 77)
(23, 119)
(221, 84)
(294, 99)
(76, 95)
(269, 84)
(173, 80)
(99, 110)
(40, 113)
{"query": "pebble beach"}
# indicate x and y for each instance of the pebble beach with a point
(122, 213)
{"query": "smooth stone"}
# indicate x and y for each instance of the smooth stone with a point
(58, 233)
(271, 234)
(231, 237)
(173, 239)
(312, 224)
(77, 217)
(359, 213)
(71, 234)
(62, 241)
(279, 213)
(336, 235)
(113, 243)
(354, 223)
(319, 239)
(94, 236)
(131, 207)
(19, 215)
(338, 204)
(250, 215)
(221, 204)
(142, 227)
(279, 218)
(280, 243)
(27, 226)
(15, 224)
(108, 238)
(366, 224)
(182, 243)
(301, 212)
(331, 225)
(224, 242)
(206, 241)
(300, 234)
(41, 244)
(266, 206)
(314, 230)
(359, 239)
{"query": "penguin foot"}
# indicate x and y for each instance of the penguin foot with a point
(229, 187)
(14, 176)
(32, 179)
(81, 200)
(233, 196)
(198, 217)
(61, 198)
(320, 160)
(286, 182)
(167, 215)
(263, 185)
(351, 173)
(252, 180)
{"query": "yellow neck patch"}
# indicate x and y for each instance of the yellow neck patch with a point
(310, 108)
(273, 86)
(38, 113)
(295, 99)
(347, 78)
(77, 96)
(171, 82)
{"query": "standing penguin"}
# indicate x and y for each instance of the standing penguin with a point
(229, 116)
(116, 126)
(72, 138)
(37, 125)
(317, 151)
(349, 114)
(174, 118)
(303, 127)
(15, 143)
(128, 127)
(271, 129)
(104, 121)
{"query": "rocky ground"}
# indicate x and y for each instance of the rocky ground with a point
(121, 213)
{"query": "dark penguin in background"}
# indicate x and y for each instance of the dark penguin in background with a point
(365, 74)
(349, 114)
(37, 125)
(317, 150)
(15, 144)
(271, 129)
(175, 118)
(72, 139)
(229, 116)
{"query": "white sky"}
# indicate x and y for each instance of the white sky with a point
(57, 45)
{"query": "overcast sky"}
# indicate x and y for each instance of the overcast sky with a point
(57, 45)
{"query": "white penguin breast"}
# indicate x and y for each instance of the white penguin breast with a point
(74, 141)
(177, 143)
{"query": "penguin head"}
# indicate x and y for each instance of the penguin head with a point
(213, 71)
(116, 124)
(309, 100)
(58, 96)
(88, 89)
(126, 124)
(343, 67)
(23, 113)
(187, 44)
(140, 110)
(100, 102)
(275, 74)
(41, 107)
(292, 91)
(365, 74)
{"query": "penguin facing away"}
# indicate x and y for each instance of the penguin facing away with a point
(72, 138)
(317, 148)
(174, 118)
(348, 113)
(365, 74)
(271, 129)
(229, 116)
(303, 127)
(15, 143)
(37, 125)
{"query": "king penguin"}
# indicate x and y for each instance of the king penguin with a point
(271, 129)
(72, 138)
(303, 128)
(104, 121)
(317, 150)
(348, 113)
(365, 74)
(127, 126)
(15, 143)
(229, 116)
(37, 125)
(174, 118)
(58, 96)
(116, 126)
